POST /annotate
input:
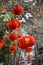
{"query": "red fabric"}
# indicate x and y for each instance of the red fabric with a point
(19, 24)
(28, 58)
(29, 49)
(23, 43)
(13, 24)
(2, 43)
(17, 9)
(13, 36)
(12, 48)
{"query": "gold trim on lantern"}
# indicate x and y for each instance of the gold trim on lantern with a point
(27, 40)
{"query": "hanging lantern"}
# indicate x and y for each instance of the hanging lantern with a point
(29, 49)
(17, 9)
(28, 58)
(26, 41)
(13, 24)
(1, 45)
(18, 24)
(13, 36)
(13, 48)
(3, 41)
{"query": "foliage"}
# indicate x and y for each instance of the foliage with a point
(6, 17)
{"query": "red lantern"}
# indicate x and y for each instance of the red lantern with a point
(32, 40)
(13, 48)
(13, 36)
(19, 24)
(13, 24)
(1, 45)
(17, 9)
(26, 41)
(28, 58)
(29, 49)
(3, 41)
